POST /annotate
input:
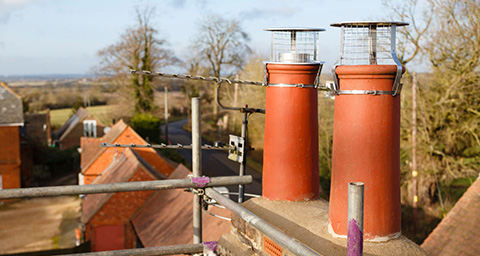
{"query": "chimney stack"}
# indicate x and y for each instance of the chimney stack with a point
(366, 136)
(290, 167)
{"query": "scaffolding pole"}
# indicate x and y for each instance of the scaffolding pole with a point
(163, 250)
(196, 168)
(285, 241)
(119, 187)
(355, 219)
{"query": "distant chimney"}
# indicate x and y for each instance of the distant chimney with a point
(290, 165)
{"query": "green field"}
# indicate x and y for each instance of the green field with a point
(59, 116)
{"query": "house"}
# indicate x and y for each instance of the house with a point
(35, 133)
(458, 232)
(106, 216)
(137, 219)
(81, 123)
(95, 159)
(37, 128)
(166, 218)
(11, 119)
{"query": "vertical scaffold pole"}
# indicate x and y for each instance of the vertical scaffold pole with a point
(243, 164)
(196, 168)
(355, 219)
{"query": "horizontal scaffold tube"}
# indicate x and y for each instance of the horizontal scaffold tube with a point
(285, 241)
(120, 187)
(163, 250)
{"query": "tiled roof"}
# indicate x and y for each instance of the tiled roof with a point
(166, 218)
(115, 131)
(458, 233)
(11, 107)
(120, 170)
(90, 148)
(78, 116)
(124, 134)
(109, 137)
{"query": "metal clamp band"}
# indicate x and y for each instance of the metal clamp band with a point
(364, 92)
(315, 85)
(294, 85)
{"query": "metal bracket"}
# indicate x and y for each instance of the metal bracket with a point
(241, 109)
(238, 144)
(336, 88)
(397, 87)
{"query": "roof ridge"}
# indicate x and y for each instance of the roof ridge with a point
(10, 90)
(147, 166)
(103, 149)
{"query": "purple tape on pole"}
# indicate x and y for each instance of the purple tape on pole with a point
(200, 181)
(209, 247)
(355, 239)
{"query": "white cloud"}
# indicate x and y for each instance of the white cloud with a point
(256, 13)
(7, 7)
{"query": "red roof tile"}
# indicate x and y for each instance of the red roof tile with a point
(458, 233)
(124, 134)
(90, 148)
(166, 218)
(109, 137)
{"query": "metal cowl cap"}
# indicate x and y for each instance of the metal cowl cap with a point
(294, 45)
(369, 43)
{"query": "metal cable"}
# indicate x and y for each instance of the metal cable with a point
(218, 216)
(200, 78)
(162, 145)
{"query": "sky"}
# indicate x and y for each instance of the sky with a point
(39, 37)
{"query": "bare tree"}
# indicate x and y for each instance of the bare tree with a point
(449, 110)
(411, 39)
(222, 45)
(139, 48)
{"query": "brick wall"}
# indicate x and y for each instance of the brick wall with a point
(10, 156)
(119, 209)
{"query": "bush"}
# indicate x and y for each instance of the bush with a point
(55, 162)
(147, 126)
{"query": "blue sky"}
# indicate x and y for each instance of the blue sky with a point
(63, 37)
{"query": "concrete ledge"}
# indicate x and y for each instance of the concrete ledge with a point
(308, 223)
(229, 245)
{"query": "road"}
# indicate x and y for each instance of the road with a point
(214, 162)
(39, 224)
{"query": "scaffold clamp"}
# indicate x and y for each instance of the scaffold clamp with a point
(200, 181)
(210, 247)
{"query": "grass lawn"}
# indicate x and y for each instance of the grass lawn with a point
(59, 116)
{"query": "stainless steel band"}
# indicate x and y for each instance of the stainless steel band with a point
(294, 85)
(364, 92)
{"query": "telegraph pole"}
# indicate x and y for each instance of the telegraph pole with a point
(166, 115)
(414, 148)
